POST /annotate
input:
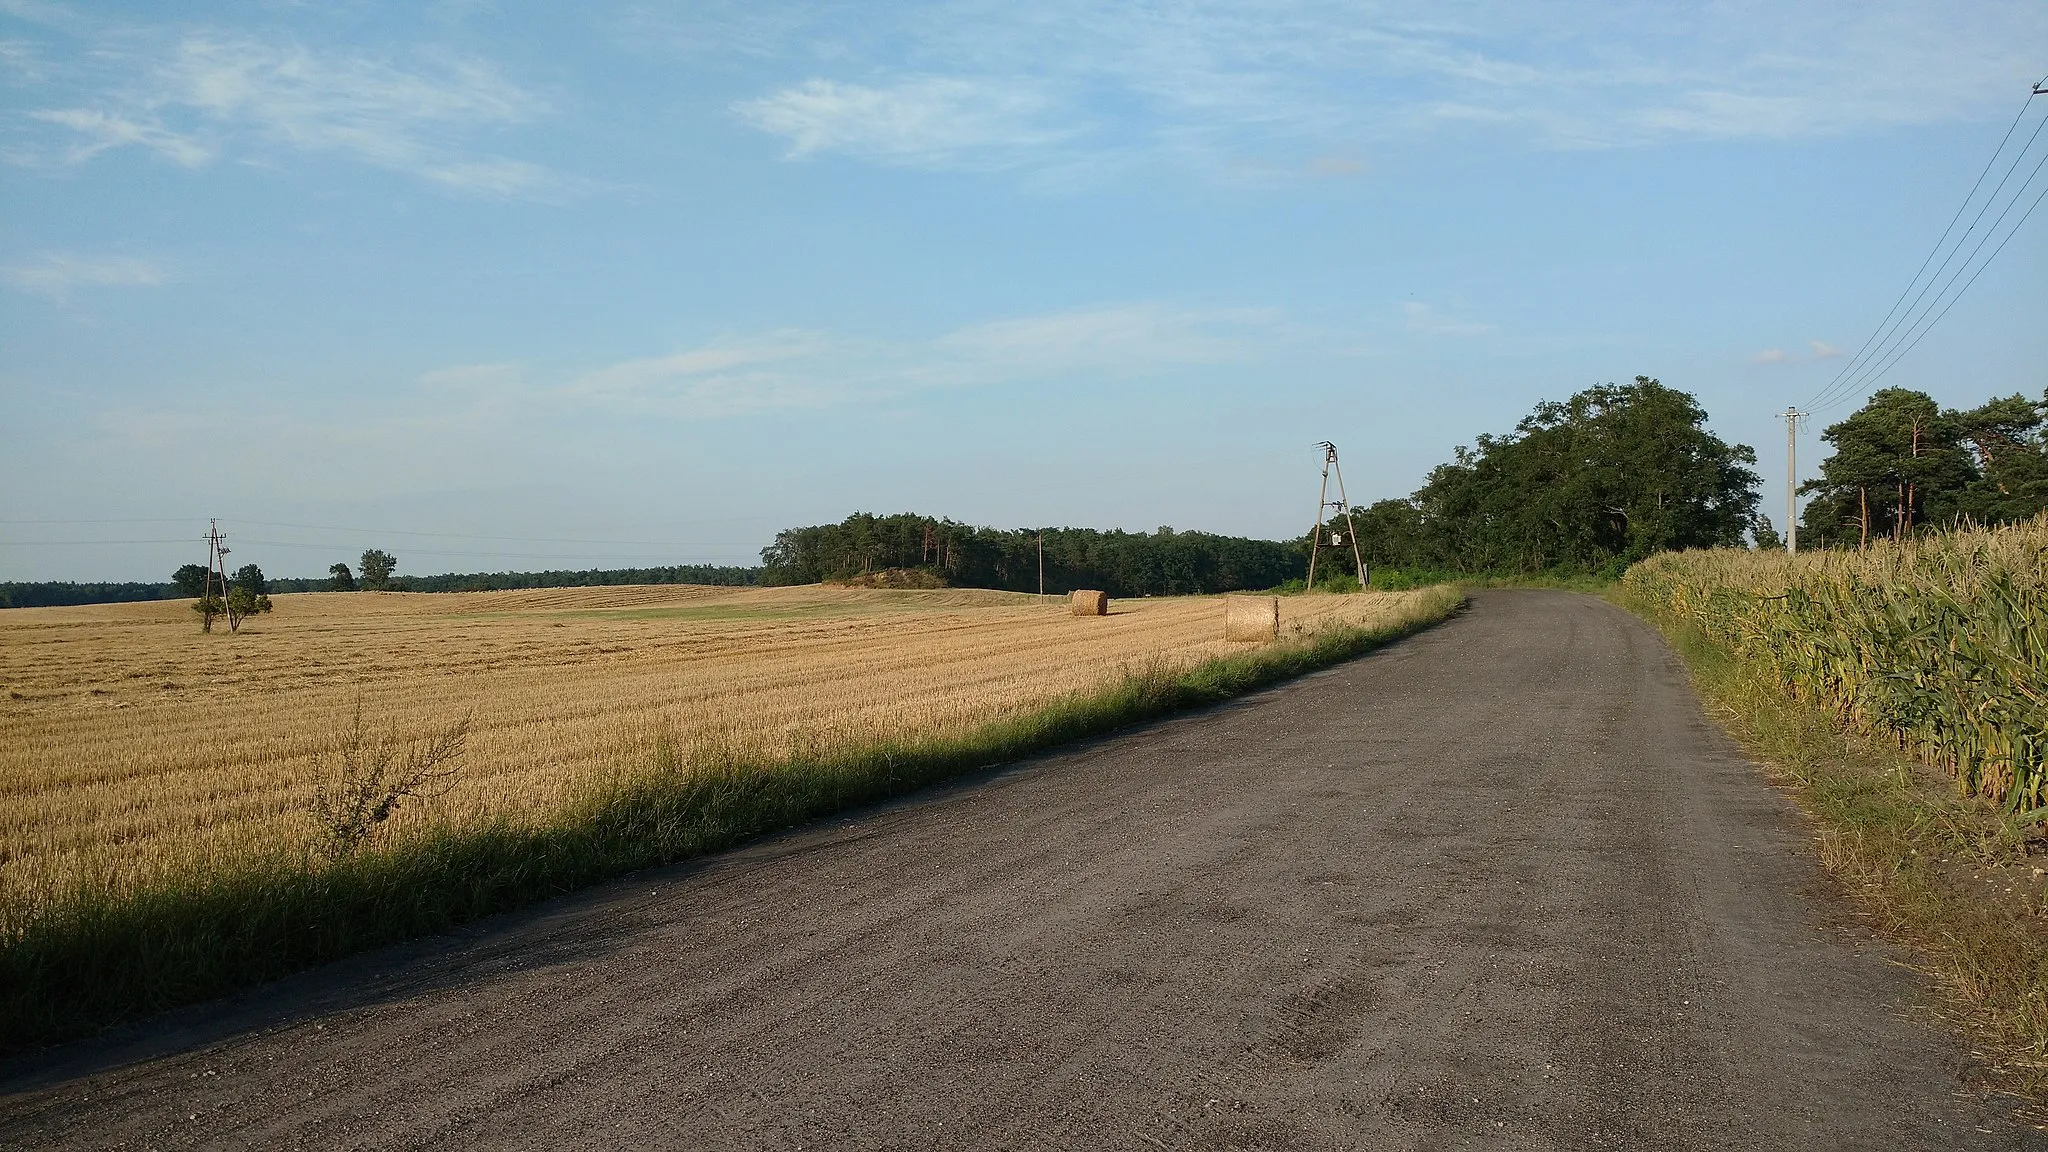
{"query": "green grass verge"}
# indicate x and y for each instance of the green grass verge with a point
(89, 961)
(1953, 878)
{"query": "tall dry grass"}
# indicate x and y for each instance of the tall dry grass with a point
(1939, 642)
(160, 840)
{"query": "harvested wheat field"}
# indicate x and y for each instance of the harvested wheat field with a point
(135, 745)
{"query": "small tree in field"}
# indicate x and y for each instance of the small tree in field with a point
(377, 567)
(247, 596)
(340, 579)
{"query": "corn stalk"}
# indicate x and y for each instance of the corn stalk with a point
(1939, 641)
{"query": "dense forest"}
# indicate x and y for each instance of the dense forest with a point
(58, 593)
(1160, 563)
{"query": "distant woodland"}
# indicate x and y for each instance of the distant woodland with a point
(53, 593)
(1161, 563)
(1586, 485)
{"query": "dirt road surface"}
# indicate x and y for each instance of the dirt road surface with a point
(1503, 885)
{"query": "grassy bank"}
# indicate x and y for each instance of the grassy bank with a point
(1956, 877)
(98, 957)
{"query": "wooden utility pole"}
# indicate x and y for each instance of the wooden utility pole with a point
(1342, 504)
(1792, 418)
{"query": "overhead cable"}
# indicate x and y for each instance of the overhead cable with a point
(1888, 333)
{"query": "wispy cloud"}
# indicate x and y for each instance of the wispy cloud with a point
(1336, 166)
(1821, 350)
(57, 276)
(974, 82)
(1120, 339)
(475, 377)
(1427, 320)
(925, 120)
(791, 369)
(732, 377)
(100, 131)
(209, 94)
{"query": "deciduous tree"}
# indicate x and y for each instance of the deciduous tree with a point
(247, 596)
(377, 566)
(190, 579)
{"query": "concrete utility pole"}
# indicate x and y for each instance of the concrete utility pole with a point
(1792, 418)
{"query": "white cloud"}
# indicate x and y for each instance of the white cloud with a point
(104, 130)
(1116, 338)
(475, 377)
(1422, 318)
(928, 120)
(210, 93)
(1214, 82)
(1822, 350)
(1335, 166)
(797, 369)
(56, 276)
(784, 369)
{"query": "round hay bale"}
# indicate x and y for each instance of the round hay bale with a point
(1251, 617)
(1089, 602)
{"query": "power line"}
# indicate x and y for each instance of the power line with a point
(513, 555)
(1864, 375)
(641, 558)
(1888, 331)
(158, 520)
(508, 539)
(1966, 287)
(407, 532)
(1960, 209)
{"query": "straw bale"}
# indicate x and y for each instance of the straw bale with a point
(1089, 602)
(1251, 617)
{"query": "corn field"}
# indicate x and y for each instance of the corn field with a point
(1939, 642)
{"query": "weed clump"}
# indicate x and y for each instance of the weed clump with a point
(369, 779)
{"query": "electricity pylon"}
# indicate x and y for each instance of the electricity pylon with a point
(1342, 504)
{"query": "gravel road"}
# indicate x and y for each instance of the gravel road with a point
(1501, 885)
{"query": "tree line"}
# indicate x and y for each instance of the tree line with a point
(377, 572)
(1589, 484)
(65, 593)
(189, 579)
(1160, 563)
(1586, 485)
(714, 574)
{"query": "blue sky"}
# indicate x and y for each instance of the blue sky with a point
(496, 286)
